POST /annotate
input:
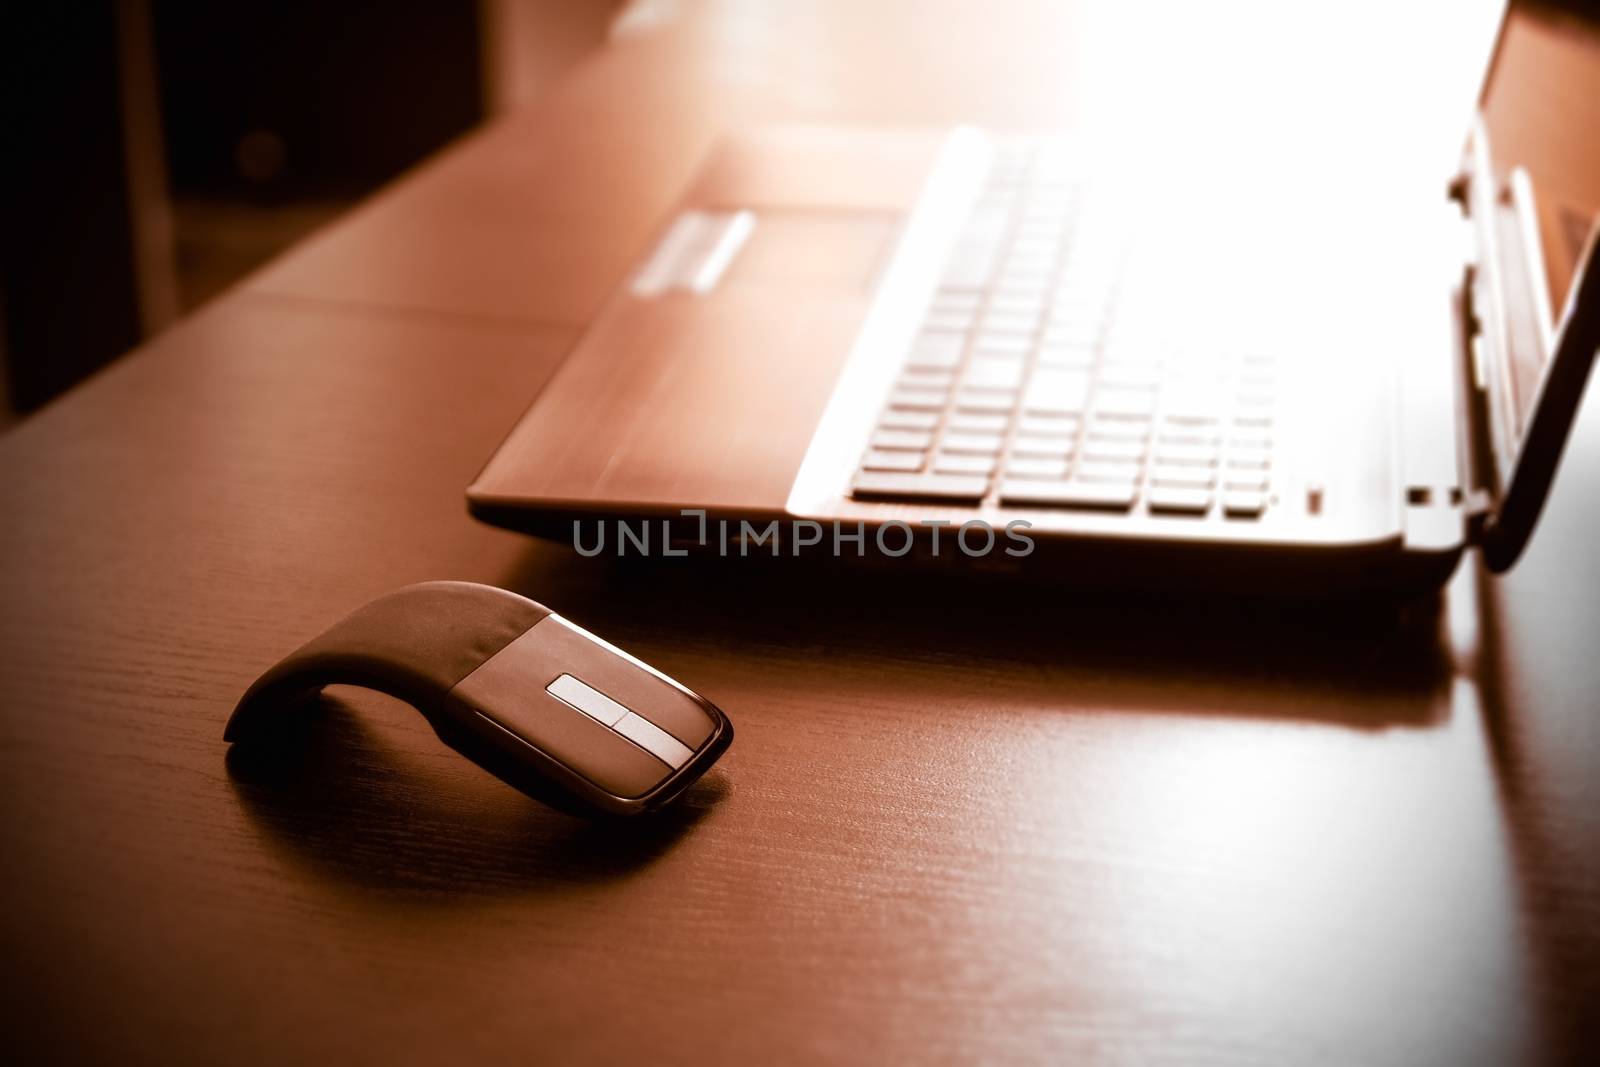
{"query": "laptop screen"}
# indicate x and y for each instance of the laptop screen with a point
(1540, 101)
(1540, 106)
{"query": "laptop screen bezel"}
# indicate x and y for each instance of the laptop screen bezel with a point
(1524, 445)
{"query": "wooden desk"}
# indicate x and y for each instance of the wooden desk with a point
(962, 821)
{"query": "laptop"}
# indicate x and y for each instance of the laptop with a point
(1326, 370)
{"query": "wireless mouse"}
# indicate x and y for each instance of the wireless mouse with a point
(542, 704)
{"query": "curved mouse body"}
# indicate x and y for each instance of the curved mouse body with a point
(542, 704)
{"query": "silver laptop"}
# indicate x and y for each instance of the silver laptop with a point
(860, 340)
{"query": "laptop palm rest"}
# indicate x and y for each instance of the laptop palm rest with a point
(703, 385)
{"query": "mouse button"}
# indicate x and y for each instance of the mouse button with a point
(648, 694)
(587, 699)
(608, 712)
(654, 740)
(509, 692)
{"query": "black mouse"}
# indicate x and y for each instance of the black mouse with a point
(542, 704)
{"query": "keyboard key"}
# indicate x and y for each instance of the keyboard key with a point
(1088, 270)
(1111, 423)
(956, 300)
(1067, 357)
(1022, 274)
(1118, 430)
(1089, 471)
(1106, 497)
(1246, 481)
(1073, 299)
(1036, 467)
(936, 350)
(972, 264)
(1031, 288)
(1093, 298)
(1253, 419)
(1249, 460)
(1187, 455)
(1190, 419)
(1192, 409)
(1172, 501)
(986, 402)
(1243, 503)
(919, 399)
(963, 463)
(990, 216)
(1123, 355)
(1041, 425)
(1044, 220)
(969, 488)
(1123, 402)
(1058, 391)
(982, 443)
(985, 372)
(971, 422)
(1130, 376)
(1002, 344)
(927, 378)
(953, 321)
(1009, 323)
(905, 440)
(1072, 333)
(878, 460)
(1029, 266)
(1098, 450)
(1188, 437)
(1017, 304)
(895, 419)
(1043, 447)
(1034, 247)
(1027, 244)
(1182, 477)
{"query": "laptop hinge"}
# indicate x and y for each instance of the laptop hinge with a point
(1518, 428)
(1477, 506)
(1484, 334)
(1474, 443)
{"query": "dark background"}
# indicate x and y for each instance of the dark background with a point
(158, 150)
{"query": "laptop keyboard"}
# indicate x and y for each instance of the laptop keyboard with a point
(1036, 379)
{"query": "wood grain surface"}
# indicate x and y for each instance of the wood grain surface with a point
(967, 817)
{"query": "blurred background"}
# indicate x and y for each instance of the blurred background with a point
(159, 150)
